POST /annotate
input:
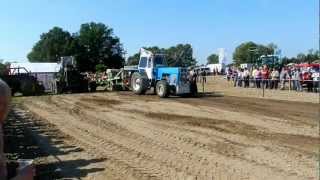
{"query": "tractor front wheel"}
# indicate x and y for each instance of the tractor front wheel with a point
(162, 89)
(139, 83)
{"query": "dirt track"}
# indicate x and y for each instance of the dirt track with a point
(144, 137)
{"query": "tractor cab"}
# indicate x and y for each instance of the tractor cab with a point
(149, 62)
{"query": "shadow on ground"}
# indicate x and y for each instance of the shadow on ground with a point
(27, 138)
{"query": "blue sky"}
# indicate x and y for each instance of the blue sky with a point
(206, 24)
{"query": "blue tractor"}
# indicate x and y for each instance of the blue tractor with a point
(153, 72)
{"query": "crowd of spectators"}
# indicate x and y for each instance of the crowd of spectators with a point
(287, 78)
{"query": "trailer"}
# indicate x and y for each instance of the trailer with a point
(118, 79)
(22, 81)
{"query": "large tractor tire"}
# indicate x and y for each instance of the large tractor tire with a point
(162, 89)
(139, 83)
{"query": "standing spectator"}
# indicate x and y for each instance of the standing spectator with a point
(240, 78)
(297, 80)
(307, 78)
(235, 77)
(246, 77)
(283, 77)
(274, 79)
(293, 78)
(197, 74)
(253, 75)
(204, 76)
(229, 74)
(290, 74)
(265, 76)
(316, 80)
(258, 77)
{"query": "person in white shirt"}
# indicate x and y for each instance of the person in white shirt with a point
(316, 80)
(274, 79)
(240, 78)
(253, 75)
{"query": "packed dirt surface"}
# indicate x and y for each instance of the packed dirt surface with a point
(124, 136)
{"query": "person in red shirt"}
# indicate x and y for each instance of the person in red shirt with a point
(265, 76)
(307, 78)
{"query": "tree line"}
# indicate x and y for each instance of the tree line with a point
(309, 57)
(96, 48)
(250, 52)
(180, 55)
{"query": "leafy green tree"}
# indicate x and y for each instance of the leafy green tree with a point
(312, 56)
(286, 60)
(51, 46)
(243, 52)
(301, 58)
(213, 59)
(249, 52)
(96, 44)
(180, 55)
(101, 68)
(134, 59)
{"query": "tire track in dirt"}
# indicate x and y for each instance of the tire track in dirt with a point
(297, 113)
(141, 155)
(122, 156)
(242, 159)
(148, 133)
(184, 175)
(147, 143)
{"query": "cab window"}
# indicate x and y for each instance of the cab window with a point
(143, 62)
(149, 63)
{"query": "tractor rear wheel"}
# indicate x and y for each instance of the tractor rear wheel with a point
(162, 89)
(139, 83)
